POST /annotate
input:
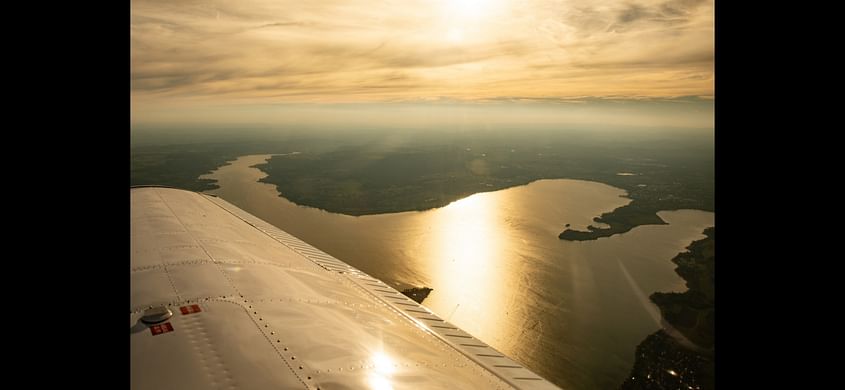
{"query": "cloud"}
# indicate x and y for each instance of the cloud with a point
(340, 51)
(632, 13)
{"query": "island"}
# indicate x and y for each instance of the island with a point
(418, 294)
(681, 356)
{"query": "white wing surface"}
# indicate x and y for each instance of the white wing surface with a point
(223, 300)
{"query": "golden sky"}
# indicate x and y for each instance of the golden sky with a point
(242, 52)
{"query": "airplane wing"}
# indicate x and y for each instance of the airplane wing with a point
(220, 299)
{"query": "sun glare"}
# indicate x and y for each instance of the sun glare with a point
(383, 364)
(467, 8)
(465, 19)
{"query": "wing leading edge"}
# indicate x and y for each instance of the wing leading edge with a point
(254, 307)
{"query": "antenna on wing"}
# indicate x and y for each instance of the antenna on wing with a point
(452, 313)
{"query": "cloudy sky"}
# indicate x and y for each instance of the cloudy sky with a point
(191, 59)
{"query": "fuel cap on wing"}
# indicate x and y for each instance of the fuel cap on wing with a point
(156, 315)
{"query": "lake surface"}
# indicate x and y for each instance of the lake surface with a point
(573, 312)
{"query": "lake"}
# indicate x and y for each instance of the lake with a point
(573, 312)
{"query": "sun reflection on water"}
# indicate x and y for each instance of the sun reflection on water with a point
(468, 247)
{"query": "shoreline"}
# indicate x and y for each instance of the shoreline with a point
(681, 354)
(621, 220)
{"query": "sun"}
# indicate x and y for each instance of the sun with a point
(465, 19)
(467, 8)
